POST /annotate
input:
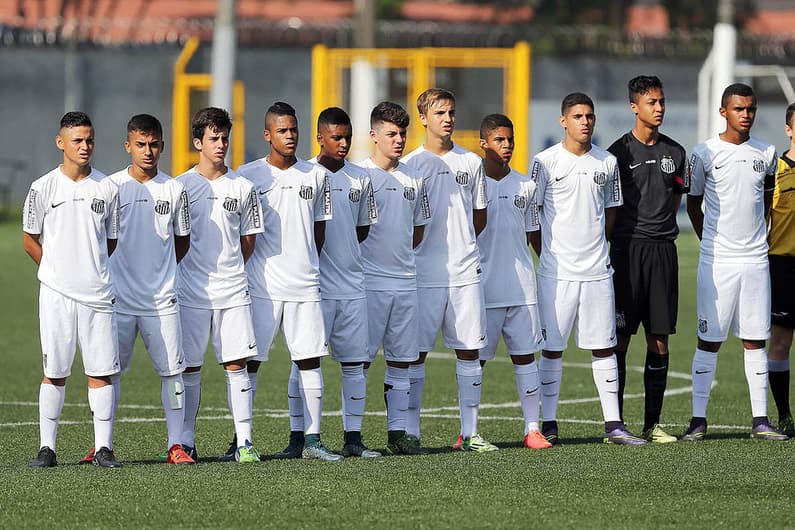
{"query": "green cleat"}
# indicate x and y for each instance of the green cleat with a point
(247, 453)
(404, 444)
(319, 451)
(477, 444)
(657, 435)
(162, 457)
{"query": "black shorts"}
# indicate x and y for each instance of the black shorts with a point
(782, 291)
(646, 283)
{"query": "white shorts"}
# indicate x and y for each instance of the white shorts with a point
(458, 311)
(735, 295)
(588, 306)
(65, 324)
(392, 322)
(301, 324)
(231, 329)
(520, 326)
(162, 336)
(346, 329)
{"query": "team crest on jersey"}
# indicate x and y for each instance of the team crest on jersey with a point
(98, 206)
(355, 195)
(306, 192)
(163, 207)
(230, 204)
(600, 178)
(702, 325)
(667, 164)
(520, 201)
(759, 166)
(462, 177)
(409, 193)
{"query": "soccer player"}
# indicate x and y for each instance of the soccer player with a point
(734, 175)
(69, 228)
(578, 192)
(509, 277)
(154, 235)
(448, 265)
(344, 301)
(781, 239)
(283, 274)
(654, 176)
(213, 293)
(389, 266)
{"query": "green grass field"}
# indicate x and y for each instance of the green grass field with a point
(728, 480)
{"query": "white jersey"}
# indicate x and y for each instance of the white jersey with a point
(448, 254)
(75, 220)
(387, 253)
(341, 272)
(211, 275)
(573, 192)
(733, 178)
(143, 266)
(285, 261)
(508, 272)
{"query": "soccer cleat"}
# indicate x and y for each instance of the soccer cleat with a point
(293, 450)
(45, 458)
(621, 436)
(765, 431)
(404, 444)
(657, 435)
(104, 457)
(89, 458)
(477, 444)
(229, 455)
(696, 432)
(549, 429)
(247, 453)
(359, 449)
(786, 425)
(191, 452)
(536, 440)
(457, 445)
(320, 452)
(177, 455)
(163, 457)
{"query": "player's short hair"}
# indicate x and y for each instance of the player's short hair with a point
(790, 112)
(333, 116)
(75, 118)
(573, 99)
(389, 112)
(494, 121)
(431, 96)
(214, 118)
(146, 124)
(642, 84)
(280, 108)
(736, 89)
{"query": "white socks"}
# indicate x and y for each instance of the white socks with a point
(470, 378)
(193, 392)
(756, 375)
(527, 386)
(605, 375)
(172, 395)
(311, 387)
(417, 384)
(238, 389)
(295, 403)
(51, 400)
(101, 402)
(704, 364)
(396, 395)
(550, 372)
(354, 391)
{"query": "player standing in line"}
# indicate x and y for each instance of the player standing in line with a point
(578, 192)
(509, 284)
(734, 175)
(448, 264)
(344, 301)
(74, 208)
(654, 176)
(389, 266)
(154, 235)
(284, 278)
(781, 239)
(225, 217)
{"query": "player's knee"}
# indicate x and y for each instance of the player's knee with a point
(711, 347)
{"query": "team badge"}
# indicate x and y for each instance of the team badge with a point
(409, 193)
(599, 178)
(621, 320)
(98, 206)
(355, 195)
(306, 192)
(702, 325)
(520, 201)
(759, 166)
(163, 207)
(667, 164)
(462, 177)
(230, 204)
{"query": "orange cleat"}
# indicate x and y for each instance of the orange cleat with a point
(536, 440)
(177, 455)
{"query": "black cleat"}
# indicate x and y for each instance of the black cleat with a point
(229, 455)
(104, 458)
(549, 429)
(45, 458)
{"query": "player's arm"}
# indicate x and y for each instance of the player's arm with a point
(362, 232)
(320, 235)
(182, 245)
(676, 203)
(534, 240)
(479, 220)
(610, 221)
(695, 213)
(247, 244)
(419, 231)
(111, 246)
(31, 244)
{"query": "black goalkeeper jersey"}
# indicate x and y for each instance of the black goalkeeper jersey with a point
(650, 176)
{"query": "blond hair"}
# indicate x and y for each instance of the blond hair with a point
(431, 96)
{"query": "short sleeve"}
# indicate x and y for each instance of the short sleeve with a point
(368, 212)
(697, 175)
(422, 206)
(251, 214)
(479, 198)
(682, 174)
(612, 190)
(531, 219)
(112, 220)
(770, 174)
(322, 203)
(33, 212)
(181, 222)
(539, 175)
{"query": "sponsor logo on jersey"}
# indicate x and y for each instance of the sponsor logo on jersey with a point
(462, 177)
(600, 178)
(230, 204)
(759, 165)
(426, 204)
(634, 165)
(691, 167)
(372, 209)
(31, 209)
(184, 213)
(326, 195)
(163, 207)
(535, 170)
(253, 210)
(98, 206)
(306, 192)
(615, 191)
(702, 325)
(355, 195)
(667, 164)
(520, 201)
(409, 193)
